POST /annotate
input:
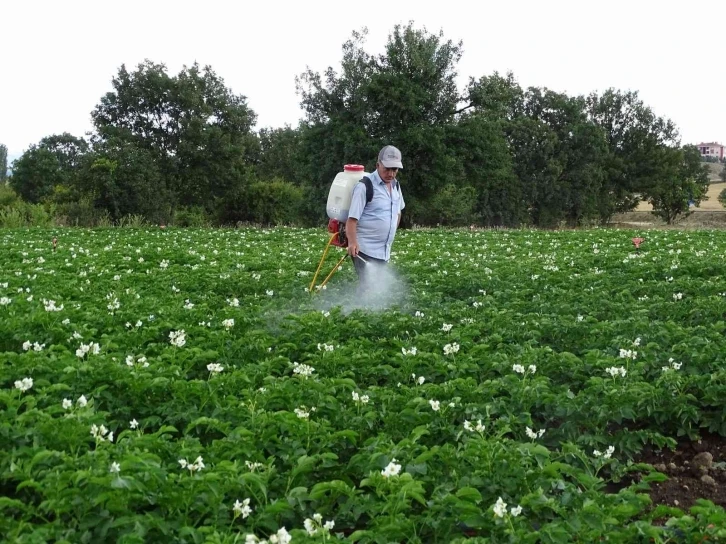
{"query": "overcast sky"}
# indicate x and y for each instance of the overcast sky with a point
(58, 58)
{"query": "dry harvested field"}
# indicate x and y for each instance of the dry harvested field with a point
(712, 204)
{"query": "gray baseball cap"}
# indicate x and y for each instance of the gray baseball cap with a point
(390, 157)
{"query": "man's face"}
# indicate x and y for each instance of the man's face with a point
(387, 174)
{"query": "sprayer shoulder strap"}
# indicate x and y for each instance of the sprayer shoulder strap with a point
(369, 188)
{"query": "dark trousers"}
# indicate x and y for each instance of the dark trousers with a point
(366, 272)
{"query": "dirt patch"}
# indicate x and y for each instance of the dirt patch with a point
(695, 470)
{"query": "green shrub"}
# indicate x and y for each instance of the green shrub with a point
(40, 215)
(133, 221)
(80, 213)
(24, 214)
(11, 217)
(312, 208)
(722, 197)
(274, 202)
(8, 197)
(191, 216)
(103, 219)
(453, 206)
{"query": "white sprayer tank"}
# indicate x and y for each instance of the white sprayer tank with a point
(341, 191)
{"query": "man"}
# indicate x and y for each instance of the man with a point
(371, 226)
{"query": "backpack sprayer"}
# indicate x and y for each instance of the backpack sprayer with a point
(337, 208)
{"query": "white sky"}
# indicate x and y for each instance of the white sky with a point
(58, 58)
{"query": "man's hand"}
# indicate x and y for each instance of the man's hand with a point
(351, 228)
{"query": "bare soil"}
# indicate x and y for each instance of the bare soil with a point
(695, 470)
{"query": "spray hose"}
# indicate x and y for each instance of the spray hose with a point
(320, 265)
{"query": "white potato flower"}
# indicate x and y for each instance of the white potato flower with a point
(479, 428)
(24, 384)
(177, 338)
(242, 508)
(607, 455)
(616, 371)
(500, 508)
(392, 469)
(302, 370)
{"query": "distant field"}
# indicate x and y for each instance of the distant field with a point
(712, 204)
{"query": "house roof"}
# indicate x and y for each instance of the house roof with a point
(716, 144)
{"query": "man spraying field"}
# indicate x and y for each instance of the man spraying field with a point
(375, 212)
(365, 211)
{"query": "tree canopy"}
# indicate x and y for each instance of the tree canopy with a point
(492, 153)
(194, 130)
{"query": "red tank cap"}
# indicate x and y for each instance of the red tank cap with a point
(353, 168)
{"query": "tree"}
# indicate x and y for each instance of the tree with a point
(529, 155)
(485, 164)
(68, 149)
(406, 96)
(336, 129)
(495, 96)
(635, 137)
(577, 154)
(533, 147)
(34, 174)
(54, 161)
(684, 183)
(454, 205)
(280, 154)
(196, 130)
(124, 179)
(3, 163)
(556, 150)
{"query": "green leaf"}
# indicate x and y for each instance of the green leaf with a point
(654, 477)
(333, 488)
(7, 502)
(120, 483)
(469, 494)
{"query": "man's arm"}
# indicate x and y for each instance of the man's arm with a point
(401, 205)
(351, 232)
